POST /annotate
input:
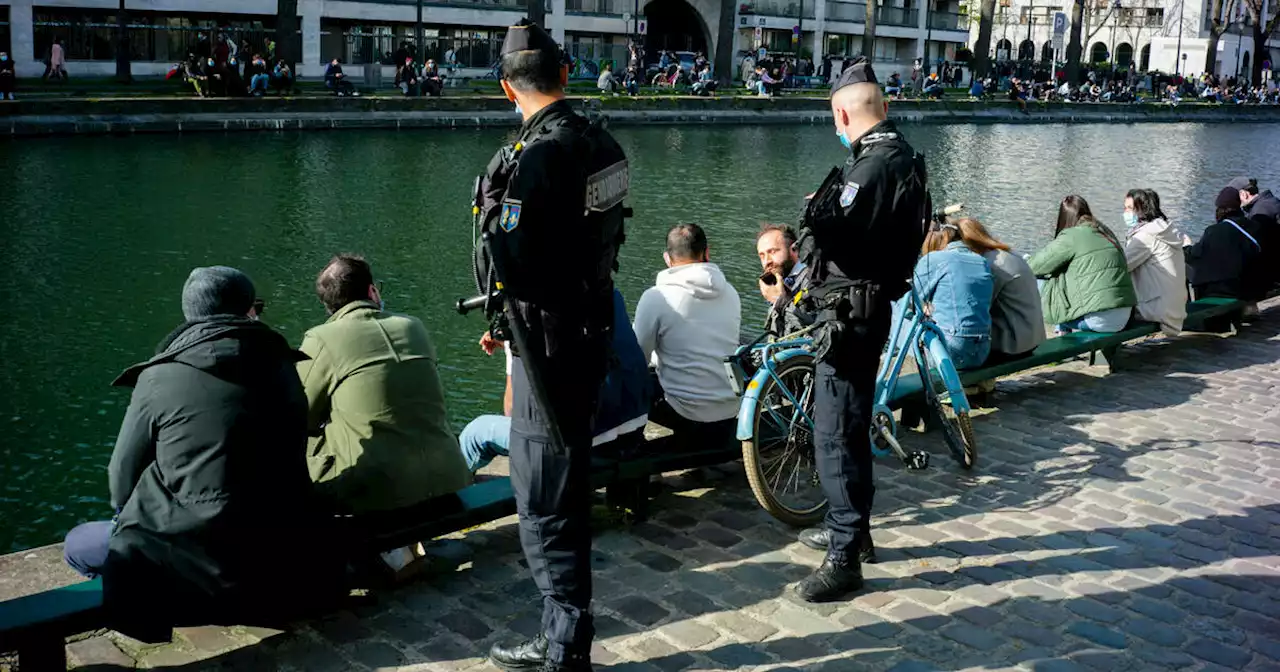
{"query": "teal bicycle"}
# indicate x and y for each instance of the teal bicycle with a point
(775, 418)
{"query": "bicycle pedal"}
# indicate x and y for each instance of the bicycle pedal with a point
(917, 460)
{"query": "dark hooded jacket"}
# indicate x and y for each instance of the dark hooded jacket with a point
(1265, 206)
(209, 479)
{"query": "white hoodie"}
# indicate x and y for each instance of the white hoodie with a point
(687, 324)
(1154, 253)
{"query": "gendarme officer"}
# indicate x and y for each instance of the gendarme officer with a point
(861, 235)
(551, 208)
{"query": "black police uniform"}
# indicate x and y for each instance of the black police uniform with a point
(552, 202)
(862, 254)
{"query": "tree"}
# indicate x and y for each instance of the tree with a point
(724, 50)
(982, 49)
(537, 11)
(1263, 27)
(123, 73)
(869, 32)
(1074, 48)
(288, 42)
(1218, 12)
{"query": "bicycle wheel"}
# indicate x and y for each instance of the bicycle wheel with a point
(779, 457)
(955, 426)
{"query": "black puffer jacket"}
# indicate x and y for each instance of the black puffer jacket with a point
(209, 477)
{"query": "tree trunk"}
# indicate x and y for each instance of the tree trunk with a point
(982, 49)
(869, 33)
(1218, 27)
(537, 12)
(1074, 48)
(724, 40)
(1262, 27)
(288, 41)
(123, 73)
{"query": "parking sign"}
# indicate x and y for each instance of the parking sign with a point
(1059, 23)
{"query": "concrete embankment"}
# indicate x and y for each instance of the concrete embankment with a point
(94, 116)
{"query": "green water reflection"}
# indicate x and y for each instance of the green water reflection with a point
(99, 233)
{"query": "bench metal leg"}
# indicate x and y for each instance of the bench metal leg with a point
(43, 654)
(915, 414)
(1105, 356)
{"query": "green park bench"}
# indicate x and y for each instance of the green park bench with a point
(35, 626)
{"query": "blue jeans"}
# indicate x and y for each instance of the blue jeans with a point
(85, 548)
(967, 352)
(259, 83)
(483, 439)
(1103, 321)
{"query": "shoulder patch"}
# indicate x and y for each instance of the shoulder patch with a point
(510, 217)
(608, 187)
(849, 193)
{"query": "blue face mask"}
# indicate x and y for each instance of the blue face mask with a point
(844, 140)
(1131, 219)
(4, 58)
(518, 110)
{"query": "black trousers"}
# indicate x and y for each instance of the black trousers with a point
(844, 390)
(553, 495)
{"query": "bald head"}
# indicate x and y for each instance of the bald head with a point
(858, 107)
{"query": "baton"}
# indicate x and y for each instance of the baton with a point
(530, 359)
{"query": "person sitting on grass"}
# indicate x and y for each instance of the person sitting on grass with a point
(282, 78)
(606, 83)
(407, 78)
(631, 81)
(893, 87)
(257, 75)
(976, 89)
(706, 84)
(933, 87)
(432, 82)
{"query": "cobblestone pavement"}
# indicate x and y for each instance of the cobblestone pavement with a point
(1116, 522)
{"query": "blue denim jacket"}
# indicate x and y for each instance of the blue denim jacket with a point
(959, 284)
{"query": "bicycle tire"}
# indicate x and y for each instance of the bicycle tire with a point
(755, 452)
(956, 427)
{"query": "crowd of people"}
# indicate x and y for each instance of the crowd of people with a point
(223, 69)
(1128, 88)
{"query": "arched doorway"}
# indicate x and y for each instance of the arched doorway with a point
(1144, 59)
(674, 26)
(1098, 53)
(1026, 50)
(1004, 48)
(1124, 55)
(1046, 52)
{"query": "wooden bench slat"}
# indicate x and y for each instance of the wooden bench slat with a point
(58, 612)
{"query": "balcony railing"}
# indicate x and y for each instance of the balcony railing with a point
(785, 8)
(846, 11)
(948, 21)
(897, 16)
(600, 7)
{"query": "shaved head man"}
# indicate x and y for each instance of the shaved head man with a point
(866, 225)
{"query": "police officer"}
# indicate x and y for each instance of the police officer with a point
(861, 235)
(551, 207)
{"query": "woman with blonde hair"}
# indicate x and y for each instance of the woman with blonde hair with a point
(955, 286)
(1017, 323)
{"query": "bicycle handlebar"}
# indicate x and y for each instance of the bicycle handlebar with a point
(465, 306)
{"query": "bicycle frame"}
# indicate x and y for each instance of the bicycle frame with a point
(772, 355)
(920, 333)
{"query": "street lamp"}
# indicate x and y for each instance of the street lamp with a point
(1115, 19)
(1177, 62)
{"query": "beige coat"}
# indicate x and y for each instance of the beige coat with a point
(1154, 254)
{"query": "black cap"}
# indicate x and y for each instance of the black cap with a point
(857, 71)
(526, 36)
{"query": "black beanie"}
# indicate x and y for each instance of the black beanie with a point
(216, 290)
(1228, 199)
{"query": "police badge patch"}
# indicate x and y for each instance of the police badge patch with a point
(850, 192)
(509, 219)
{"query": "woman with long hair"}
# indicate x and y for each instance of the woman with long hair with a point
(1017, 323)
(1153, 253)
(955, 285)
(1087, 285)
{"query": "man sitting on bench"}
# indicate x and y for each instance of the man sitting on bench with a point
(376, 404)
(622, 411)
(208, 477)
(687, 324)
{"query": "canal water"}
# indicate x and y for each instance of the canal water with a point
(99, 234)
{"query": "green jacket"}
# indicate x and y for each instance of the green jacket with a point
(1087, 273)
(377, 407)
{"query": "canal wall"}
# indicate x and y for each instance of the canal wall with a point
(184, 115)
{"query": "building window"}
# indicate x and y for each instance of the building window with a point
(89, 35)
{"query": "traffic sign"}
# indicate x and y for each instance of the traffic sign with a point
(1059, 23)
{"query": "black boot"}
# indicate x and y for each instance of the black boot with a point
(830, 581)
(819, 538)
(527, 655)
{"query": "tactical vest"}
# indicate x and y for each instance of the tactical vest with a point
(603, 214)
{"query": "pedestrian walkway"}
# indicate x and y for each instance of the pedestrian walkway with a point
(1115, 522)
